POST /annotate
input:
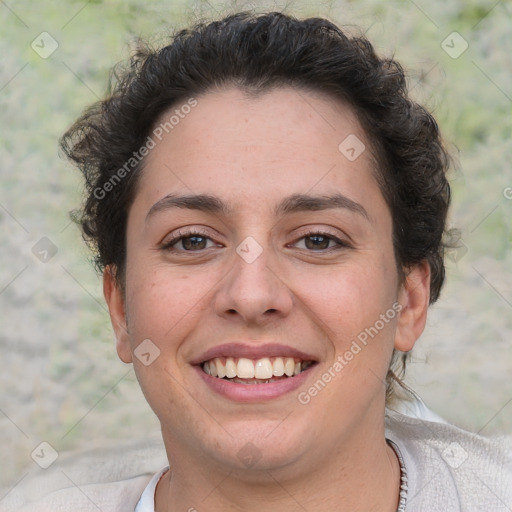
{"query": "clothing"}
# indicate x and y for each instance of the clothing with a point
(448, 470)
(147, 500)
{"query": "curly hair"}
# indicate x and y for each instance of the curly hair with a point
(256, 53)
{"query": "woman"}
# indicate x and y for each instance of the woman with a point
(267, 206)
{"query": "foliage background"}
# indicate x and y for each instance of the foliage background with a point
(61, 381)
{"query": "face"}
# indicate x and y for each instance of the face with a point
(256, 248)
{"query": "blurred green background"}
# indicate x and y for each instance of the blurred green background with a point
(61, 381)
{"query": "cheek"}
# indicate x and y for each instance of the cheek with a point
(159, 302)
(347, 300)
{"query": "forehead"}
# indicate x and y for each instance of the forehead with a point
(253, 150)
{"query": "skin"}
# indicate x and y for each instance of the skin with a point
(251, 152)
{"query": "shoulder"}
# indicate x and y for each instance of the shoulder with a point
(107, 497)
(109, 479)
(450, 467)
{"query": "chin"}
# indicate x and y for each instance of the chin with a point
(257, 446)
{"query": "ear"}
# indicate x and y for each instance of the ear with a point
(115, 300)
(414, 298)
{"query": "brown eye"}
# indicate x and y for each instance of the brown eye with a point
(189, 242)
(319, 242)
(192, 243)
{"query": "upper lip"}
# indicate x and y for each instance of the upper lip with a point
(252, 352)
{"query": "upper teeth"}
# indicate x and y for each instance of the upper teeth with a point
(244, 368)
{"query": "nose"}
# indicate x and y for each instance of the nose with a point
(253, 291)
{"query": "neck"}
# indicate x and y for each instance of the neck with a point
(362, 474)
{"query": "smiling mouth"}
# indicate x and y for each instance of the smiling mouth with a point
(255, 371)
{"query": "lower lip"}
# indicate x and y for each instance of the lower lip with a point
(253, 392)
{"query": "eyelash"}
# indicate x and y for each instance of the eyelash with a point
(181, 235)
(340, 243)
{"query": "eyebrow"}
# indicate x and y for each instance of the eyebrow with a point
(291, 204)
(201, 202)
(303, 202)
